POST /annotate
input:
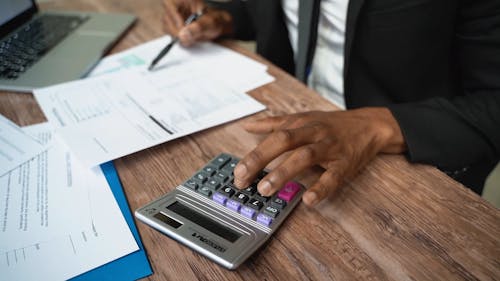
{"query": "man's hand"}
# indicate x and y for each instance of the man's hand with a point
(211, 25)
(342, 142)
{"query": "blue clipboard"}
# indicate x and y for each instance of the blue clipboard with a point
(132, 266)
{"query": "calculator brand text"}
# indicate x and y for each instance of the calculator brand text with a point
(209, 242)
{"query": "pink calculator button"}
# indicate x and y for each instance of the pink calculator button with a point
(289, 191)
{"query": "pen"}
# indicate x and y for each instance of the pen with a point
(167, 48)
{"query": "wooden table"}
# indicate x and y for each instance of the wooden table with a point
(395, 221)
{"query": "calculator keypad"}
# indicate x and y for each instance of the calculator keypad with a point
(215, 181)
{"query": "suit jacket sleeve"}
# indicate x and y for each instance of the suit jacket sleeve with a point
(465, 130)
(263, 22)
(243, 28)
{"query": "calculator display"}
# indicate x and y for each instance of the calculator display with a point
(207, 223)
(168, 220)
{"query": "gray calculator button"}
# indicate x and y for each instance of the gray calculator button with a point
(278, 203)
(213, 184)
(222, 176)
(220, 160)
(200, 177)
(210, 170)
(205, 191)
(271, 211)
(191, 184)
(229, 167)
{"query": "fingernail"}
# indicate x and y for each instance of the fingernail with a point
(240, 171)
(311, 197)
(264, 187)
(240, 184)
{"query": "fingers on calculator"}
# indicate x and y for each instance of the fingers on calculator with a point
(215, 181)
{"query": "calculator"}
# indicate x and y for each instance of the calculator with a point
(210, 215)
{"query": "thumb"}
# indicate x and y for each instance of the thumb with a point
(190, 34)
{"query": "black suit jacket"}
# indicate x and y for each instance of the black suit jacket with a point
(434, 64)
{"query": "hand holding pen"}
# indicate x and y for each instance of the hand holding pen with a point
(167, 48)
(213, 24)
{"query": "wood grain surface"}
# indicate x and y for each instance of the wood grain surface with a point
(394, 221)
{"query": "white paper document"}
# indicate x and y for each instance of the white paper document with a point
(106, 117)
(16, 147)
(238, 71)
(57, 218)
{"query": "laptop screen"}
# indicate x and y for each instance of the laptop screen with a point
(9, 9)
(13, 13)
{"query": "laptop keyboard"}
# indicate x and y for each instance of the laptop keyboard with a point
(24, 47)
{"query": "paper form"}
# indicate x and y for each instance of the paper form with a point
(238, 71)
(58, 219)
(16, 147)
(106, 117)
(133, 266)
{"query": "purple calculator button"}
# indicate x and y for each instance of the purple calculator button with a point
(263, 219)
(219, 198)
(233, 205)
(247, 212)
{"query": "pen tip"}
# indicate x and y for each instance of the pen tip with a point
(150, 67)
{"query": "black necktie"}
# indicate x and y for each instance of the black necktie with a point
(308, 31)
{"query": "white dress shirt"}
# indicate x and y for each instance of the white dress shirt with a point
(326, 75)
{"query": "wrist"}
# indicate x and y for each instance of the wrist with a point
(224, 20)
(386, 131)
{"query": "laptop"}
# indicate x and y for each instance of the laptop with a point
(39, 49)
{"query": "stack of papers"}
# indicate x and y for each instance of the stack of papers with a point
(60, 216)
(191, 90)
(58, 219)
(215, 62)
(132, 266)
(16, 147)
